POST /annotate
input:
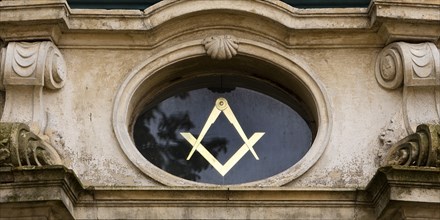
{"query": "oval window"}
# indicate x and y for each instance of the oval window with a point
(224, 133)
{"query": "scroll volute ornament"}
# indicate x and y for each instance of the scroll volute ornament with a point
(34, 63)
(27, 68)
(417, 68)
(389, 69)
(410, 64)
(20, 147)
(419, 149)
(221, 47)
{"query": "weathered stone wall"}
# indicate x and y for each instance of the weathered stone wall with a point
(74, 76)
(339, 47)
(358, 104)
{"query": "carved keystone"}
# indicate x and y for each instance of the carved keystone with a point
(221, 47)
(20, 147)
(27, 68)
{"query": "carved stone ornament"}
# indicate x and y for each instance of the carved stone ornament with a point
(34, 63)
(222, 47)
(27, 68)
(417, 67)
(411, 64)
(419, 149)
(20, 147)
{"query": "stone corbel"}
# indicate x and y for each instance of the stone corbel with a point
(417, 68)
(27, 68)
(419, 149)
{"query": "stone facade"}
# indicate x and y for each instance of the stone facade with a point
(74, 79)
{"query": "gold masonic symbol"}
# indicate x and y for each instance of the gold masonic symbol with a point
(221, 105)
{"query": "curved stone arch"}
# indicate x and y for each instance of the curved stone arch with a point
(277, 11)
(142, 79)
(267, 20)
(274, 10)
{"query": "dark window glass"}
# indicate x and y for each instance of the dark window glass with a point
(142, 4)
(287, 136)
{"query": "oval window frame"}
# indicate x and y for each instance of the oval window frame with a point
(149, 77)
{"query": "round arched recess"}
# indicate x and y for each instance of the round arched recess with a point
(255, 63)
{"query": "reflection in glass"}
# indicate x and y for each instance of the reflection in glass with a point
(157, 135)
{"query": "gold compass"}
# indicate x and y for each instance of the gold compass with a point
(221, 105)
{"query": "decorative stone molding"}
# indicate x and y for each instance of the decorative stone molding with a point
(399, 192)
(417, 67)
(20, 147)
(58, 192)
(140, 82)
(222, 47)
(419, 149)
(27, 68)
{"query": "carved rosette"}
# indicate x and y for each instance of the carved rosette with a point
(222, 47)
(419, 149)
(20, 147)
(389, 69)
(34, 63)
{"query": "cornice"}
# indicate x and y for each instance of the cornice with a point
(396, 184)
(403, 188)
(383, 22)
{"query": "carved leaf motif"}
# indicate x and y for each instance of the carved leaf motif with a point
(422, 61)
(25, 57)
(221, 47)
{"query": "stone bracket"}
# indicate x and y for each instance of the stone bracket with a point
(34, 64)
(410, 64)
(417, 68)
(27, 68)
